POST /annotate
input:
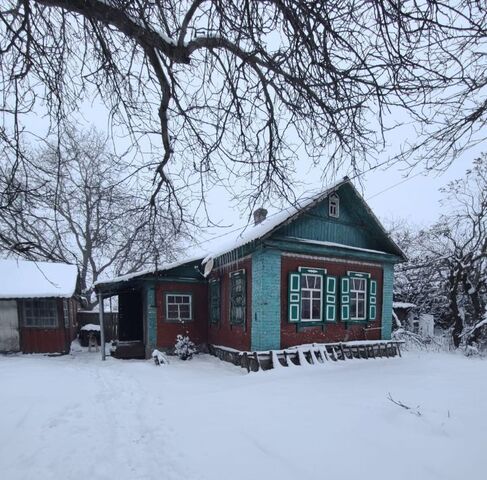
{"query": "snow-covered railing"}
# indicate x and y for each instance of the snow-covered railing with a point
(310, 354)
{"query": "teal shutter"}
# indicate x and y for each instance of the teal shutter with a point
(294, 297)
(214, 301)
(372, 300)
(238, 297)
(345, 298)
(330, 296)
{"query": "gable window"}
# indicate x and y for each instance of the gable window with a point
(311, 297)
(334, 205)
(179, 307)
(358, 295)
(214, 301)
(41, 312)
(237, 297)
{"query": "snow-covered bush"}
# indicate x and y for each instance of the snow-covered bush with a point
(472, 350)
(184, 348)
(414, 341)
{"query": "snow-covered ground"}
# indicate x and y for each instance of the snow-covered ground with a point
(75, 417)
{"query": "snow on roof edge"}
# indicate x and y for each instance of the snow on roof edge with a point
(36, 279)
(149, 271)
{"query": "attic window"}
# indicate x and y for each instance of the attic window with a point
(334, 205)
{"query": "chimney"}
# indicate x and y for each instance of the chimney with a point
(260, 215)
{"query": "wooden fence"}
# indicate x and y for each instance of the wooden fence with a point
(316, 353)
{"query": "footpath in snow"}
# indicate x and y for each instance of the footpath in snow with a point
(76, 418)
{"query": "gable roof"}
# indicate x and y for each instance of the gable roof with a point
(276, 221)
(28, 279)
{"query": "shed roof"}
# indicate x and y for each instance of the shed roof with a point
(30, 279)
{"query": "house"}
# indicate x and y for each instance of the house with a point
(37, 306)
(319, 272)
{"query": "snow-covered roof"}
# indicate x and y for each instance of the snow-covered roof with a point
(236, 239)
(28, 279)
(270, 224)
(403, 305)
(161, 268)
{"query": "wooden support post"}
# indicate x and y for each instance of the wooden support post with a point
(102, 326)
(387, 350)
(398, 349)
(343, 352)
(256, 356)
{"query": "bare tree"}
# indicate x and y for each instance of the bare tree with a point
(240, 87)
(447, 271)
(74, 206)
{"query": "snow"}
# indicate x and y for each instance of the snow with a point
(403, 305)
(334, 244)
(91, 327)
(26, 279)
(149, 271)
(75, 417)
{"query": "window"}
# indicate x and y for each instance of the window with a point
(40, 313)
(311, 295)
(334, 205)
(237, 297)
(214, 301)
(178, 307)
(358, 295)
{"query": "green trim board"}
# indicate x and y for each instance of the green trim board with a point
(266, 300)
(150, 315)
(387, 293)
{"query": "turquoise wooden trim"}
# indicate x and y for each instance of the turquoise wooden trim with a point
(387, 290)
(312, 271)
(266, 300)
(330, 290)
(326, 251)
(358, 274)
(151, 317)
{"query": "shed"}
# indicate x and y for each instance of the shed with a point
(37, 306)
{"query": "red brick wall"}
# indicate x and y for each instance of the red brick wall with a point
(332, 332)
(223, 333)
(46, 340)
(197, 329)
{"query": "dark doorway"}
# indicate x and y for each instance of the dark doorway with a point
(130, 316)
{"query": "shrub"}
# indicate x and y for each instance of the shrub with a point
(184, 348)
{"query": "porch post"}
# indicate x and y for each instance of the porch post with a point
(102, 326)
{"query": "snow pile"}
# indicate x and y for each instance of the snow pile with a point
(91, 327)
(23, 279)
(159, 358)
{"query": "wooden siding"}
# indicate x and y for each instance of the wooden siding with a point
(354, 227)
(222, 333)
(292, 334)
(48, 340)
(196, 329)
(266, 301)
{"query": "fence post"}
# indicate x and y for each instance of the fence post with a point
(102, 327)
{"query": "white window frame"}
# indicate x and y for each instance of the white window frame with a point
(167, 303)
(32, 320)
(355, 295)
(310, 299)
(334, 205)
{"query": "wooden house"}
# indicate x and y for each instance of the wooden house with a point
(37, 306)
(319, 272)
